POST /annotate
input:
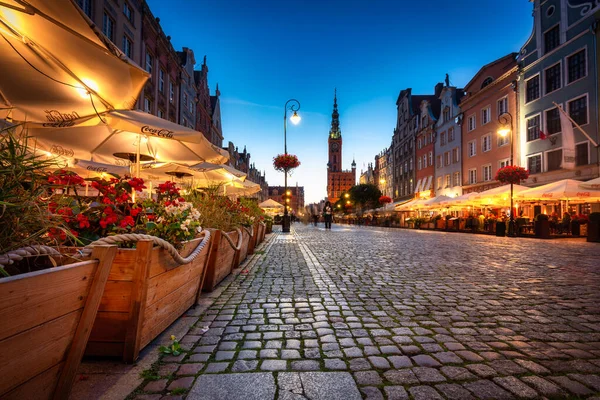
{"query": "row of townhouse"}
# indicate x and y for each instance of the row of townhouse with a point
(176, 91)
(448, 143)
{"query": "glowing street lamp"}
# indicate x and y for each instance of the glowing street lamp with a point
(295, 118)
(506, 130)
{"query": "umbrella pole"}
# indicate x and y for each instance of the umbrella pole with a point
(137, 165)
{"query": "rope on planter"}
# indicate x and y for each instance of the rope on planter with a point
(239, 245)
(19, 254)
(250, 231)
(134, 237)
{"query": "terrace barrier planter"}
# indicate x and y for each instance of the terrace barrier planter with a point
(253, 239)
(245, 247)
(262, 230)
(542, 229)
(45, 322)
(440, 223)
(148, 288)
(593, 231)
(500, 228)
(223, 250)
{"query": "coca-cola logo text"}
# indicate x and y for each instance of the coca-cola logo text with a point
(157, 132)
(60, 151)
(97, 169)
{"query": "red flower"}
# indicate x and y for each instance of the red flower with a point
(106, 200)
(285, 162)
(123, 197)
(512, 174)
(385, 199)
(135, 211)
(127, 221)
(137, 184)
(84, 222)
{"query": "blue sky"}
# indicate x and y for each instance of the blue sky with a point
(264, 52)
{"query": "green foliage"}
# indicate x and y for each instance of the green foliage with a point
(177, 391)
(149, 375)
(541, 217)
(365, 195)
(173, 349)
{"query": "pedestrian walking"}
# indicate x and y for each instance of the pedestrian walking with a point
(315, 217)
(328, 215)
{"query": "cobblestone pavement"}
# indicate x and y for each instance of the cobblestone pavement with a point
(406, 314)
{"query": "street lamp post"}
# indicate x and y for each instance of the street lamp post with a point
(295, 118)
(505, 120)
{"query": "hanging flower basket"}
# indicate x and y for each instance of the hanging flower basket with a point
(385, 199)
(285, 162)
(512, 174)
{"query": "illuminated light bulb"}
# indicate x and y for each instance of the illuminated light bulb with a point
(295, 118)
(83, 92)
(144, 139)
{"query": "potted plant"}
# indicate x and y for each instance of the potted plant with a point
(542, 226)
(593, 227)
(440, 223)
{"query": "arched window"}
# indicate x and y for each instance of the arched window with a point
(487, 81)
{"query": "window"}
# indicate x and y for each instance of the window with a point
(472, 148)
(472, 176)
(419, 164)
(439, 161)
(486, 143)
(532, 89)
(552, 78)
(503, 140)
(447, 182)
(430, 158)
(487, 172)
(534, 164)
(487, 81)
(450, 134)
(419, 143)
(533, 128)
(439, 182)
(578, 110)
(128, 12)
(161, 114)
(185, 98)
(446, 114)
(127, 46)
(410, 164)
(503, 163)
(576, 66)
(171, 92)
(424, 160)
(147, 105)
(554, 159)
(108, 26)
(192, 106)
(447, 158)
(86, 6)
(457, 179)
(502, 106)
(455, 155)
(582, 153)
(161, 81)
(551, 39)
(149, 62)
(471, 123)
(552, 121)
(485, 115)
(442, 138)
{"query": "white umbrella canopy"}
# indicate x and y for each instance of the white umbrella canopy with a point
(466, 199)
(591, 184)
(177, 172)
(270, 203)
(56, 68)
(566, 189)
(207, 166)
(245, 188)
(498, 195)
(115, 138)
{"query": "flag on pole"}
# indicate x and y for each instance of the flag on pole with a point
(568, 140)
(543, 136)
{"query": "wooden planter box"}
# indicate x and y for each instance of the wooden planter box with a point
(262, 229)
(45, 322)
(145, 293)
(221, 257)
(253, 239)
(440, 224)
(269, 228)
(593, 231)
(244, 249)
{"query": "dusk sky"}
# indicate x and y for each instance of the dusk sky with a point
(263, 53)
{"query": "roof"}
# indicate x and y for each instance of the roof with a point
(485, 67)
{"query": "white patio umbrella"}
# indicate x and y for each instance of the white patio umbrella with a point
(566, 189)
(207, 166)
(464, 200)
(434, 202)
(176, 172)
(498, 195)
(593, 184)
(271, 207)
(120, 136)
(56, 68)
(246, 188)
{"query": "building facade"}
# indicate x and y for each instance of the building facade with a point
(489, 94)
(559, 69)
(294, 199)
(338, 180)
(448, 147)
(187, 91)
(424, 152)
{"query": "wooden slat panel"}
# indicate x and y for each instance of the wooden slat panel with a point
(163, 262)
(123, 266)
(161, 285)
(31, 352)
(105, 256)
(38, 297)
(40, 387)
(162, 314)
(104, 349)
(117, 296)
(109, 326)
(225, 256)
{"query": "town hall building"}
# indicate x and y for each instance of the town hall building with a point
(338, 181)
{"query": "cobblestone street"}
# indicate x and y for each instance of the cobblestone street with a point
(396, 314)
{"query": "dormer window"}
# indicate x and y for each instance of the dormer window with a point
(487, 81)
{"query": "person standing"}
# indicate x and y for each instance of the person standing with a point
(328, 215)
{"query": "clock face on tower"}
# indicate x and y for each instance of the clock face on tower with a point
(335, 146)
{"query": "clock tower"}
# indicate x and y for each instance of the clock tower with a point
(338, 181)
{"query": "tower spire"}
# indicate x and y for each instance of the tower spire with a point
(335, 131)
